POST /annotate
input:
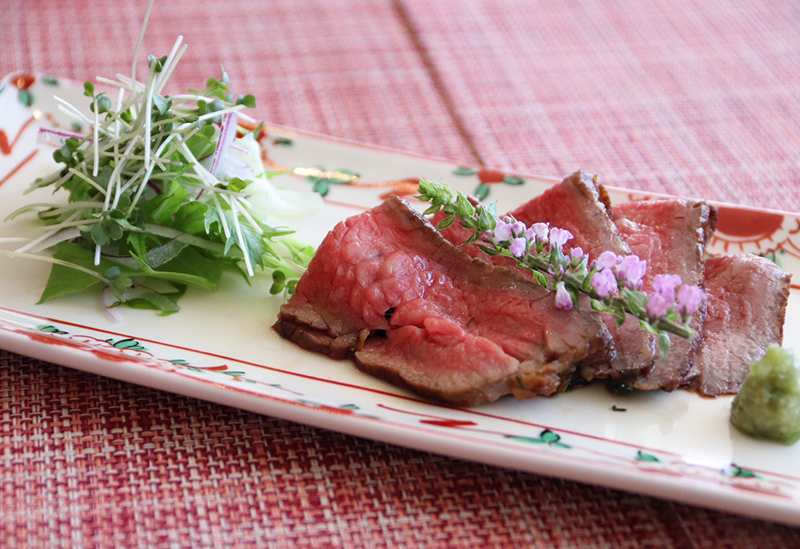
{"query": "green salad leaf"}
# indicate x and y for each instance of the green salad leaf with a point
(147, 212)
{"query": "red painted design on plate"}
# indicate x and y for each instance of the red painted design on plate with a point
(19, 166)
(448, 423)
(7, 147)
(487, 175)
(748, 223)
(24, 81)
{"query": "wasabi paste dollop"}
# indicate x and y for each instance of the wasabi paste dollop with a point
(768, 405)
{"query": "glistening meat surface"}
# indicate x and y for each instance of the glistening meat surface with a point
(747, 298)
(581, 205)
(671, 236)
(412, 308)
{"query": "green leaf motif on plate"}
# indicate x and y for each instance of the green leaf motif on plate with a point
(50, 329)
(482, 191)
(464, 170)
(645, 457)
(740, 472)
(513, 180)
(545, 437)
(127, 343)
(25, 97)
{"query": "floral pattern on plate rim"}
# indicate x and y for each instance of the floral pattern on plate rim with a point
(115, 348)
(775, 235)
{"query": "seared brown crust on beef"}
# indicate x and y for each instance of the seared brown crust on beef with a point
(747, 298)
(671, 236)
(412, 308)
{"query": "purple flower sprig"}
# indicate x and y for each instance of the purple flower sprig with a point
(613, 282)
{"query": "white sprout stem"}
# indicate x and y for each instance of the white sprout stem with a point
(76, 223)
(172, 67)
(139, 43)
(88, 180)
(169, 232)
(203, 186)
(143, 184)
(120, 98)
(96, 134)
(183, 140)
(247, 118)
(131, 182)
(29, 207)
(54, 212)
(180, 98)
(36, 241)
(250, 219)
(225, 229)
(68, 109)
(130, 83)
(237, 227)
(148, 111)
(172, 60)
(234, 108)
(198, 168)
(170, 57)
(55, 179)
(48, 259)
(112, 82)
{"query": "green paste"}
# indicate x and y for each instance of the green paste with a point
(768, 405)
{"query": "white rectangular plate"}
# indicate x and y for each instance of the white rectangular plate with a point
(221, 348)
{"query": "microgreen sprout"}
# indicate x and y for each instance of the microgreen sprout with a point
(148, 199)
(612, 282)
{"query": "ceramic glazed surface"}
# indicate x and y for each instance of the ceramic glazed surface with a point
(220, 346)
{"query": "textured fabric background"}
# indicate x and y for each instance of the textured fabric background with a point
(684, 97)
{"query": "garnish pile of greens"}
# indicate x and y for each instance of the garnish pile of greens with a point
(145, 218)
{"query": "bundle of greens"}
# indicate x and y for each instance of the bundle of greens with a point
(157, 199)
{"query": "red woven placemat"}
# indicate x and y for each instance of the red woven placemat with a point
(685, 97)
(682, 97)
(88, 460)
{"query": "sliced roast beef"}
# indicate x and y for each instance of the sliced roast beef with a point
(411, 308)
(581, 205)
(747, 298)
(671, 236)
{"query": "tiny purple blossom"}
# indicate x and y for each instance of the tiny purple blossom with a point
(605, 283)
(540, 230)
(607, 259)
(689, 298)
(563, 299)
(658, 305)
(517, 247)
(502, 232)
(631, 270)
(666, 284)
(530, 234)
(518, 228)
(488, 236)
(559, 237)
(576, 254)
